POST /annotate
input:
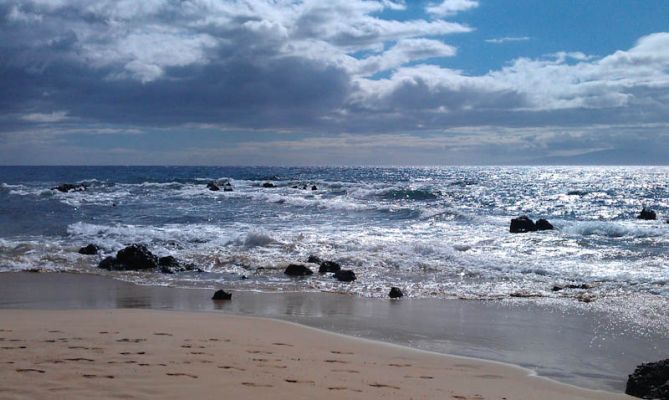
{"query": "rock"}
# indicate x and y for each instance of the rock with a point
(89, 250)
(297, 270)
(137, 257)
(345, 275)
(314, 187)
(314, 259)
(69, 187)
(647, 214)
(577, 193)
(650, 381)
(222, 295)
(395, 293)
(268, 185)
(109, 263)
(170, 265)
(544, 225)
(213, 186)
(227, 187)
(557, 288)
(522, 224)
(329, 266)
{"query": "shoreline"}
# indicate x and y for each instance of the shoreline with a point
(482, 331)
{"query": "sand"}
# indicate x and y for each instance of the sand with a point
(128, 354)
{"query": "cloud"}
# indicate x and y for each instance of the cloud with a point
(451, 7)
(302, 68)
(508, 39)
(56, 116)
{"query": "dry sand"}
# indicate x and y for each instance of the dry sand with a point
(128, 354)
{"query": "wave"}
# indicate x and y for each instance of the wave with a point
(614, 229)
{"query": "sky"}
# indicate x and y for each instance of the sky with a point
(338, 82)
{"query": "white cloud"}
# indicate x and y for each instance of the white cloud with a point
(508, 39)
(451, 7)
(56, 116)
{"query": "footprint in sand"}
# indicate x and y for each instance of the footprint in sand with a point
(55, 331)
(341, 352)
(253, 384)
(89, 376)
(162, 334)
(399, 365)
(336, 361)
(181, 374)
(298, 381)
(381, 385)
(126, 340)
(282, 344)
(30, 370)
(350, 371)
(344, 388)
(230, 367)
(258, 352)
(79, 359)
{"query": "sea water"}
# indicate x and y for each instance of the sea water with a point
(434, 232)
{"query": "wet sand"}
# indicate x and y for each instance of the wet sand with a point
(574, 347)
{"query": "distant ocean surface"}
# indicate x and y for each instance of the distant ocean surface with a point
(434, 232)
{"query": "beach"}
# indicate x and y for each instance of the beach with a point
(82, 336)
(123, 353)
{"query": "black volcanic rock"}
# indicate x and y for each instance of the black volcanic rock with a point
(395, 293)
(647, 214)
(522, 224)
(69, 187)
(89, 250)
(268, 185)
(213, 187)
(314, 187)
(227, 187)
(137, 257)
(222, 295)
(109, 263)
(329, 266)
(650, 381)
(297, 270)
(345, 275)
(544, 225)
(314, 259)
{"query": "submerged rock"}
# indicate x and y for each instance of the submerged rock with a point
(213, 186)
(297, 270)
(522, 224)
(70, 187)
(314, 187)
(647, 214)
(345, 275)
(329, 266)
(89, 250)
(650, 381)
(227, 187)
(222, 295)
(395, 293)
(109, 263)
(268, 185)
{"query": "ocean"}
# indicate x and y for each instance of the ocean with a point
(434, 232)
